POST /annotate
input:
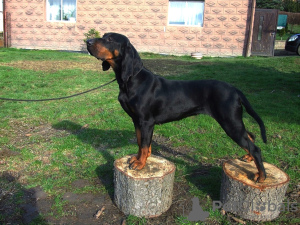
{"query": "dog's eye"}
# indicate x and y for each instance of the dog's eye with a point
(109, 39)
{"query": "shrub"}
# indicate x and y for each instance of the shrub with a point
(281, 32)
(92, 33)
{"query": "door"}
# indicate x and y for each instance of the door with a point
(264, 30)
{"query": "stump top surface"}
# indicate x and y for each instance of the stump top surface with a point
(155, 167)
(245, 171)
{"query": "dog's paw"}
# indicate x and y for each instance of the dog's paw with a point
(247, 158)
(137, 165)
(258, 178)
(132, 159)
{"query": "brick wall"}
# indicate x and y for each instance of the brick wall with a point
(145, 22)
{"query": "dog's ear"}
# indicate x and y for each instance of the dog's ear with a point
(105, 66)
(131, 63)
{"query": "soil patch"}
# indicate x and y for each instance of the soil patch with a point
(52, 66)
(79, 208)
(6, 152)
(169, 67)
(164, 67)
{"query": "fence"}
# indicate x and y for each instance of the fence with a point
(292, 18)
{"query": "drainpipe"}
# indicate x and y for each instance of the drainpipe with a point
(249, 44)
(4, 25)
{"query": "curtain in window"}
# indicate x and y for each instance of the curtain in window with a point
(186, 13)
(194, 13)
(176, 12)
(54, 10)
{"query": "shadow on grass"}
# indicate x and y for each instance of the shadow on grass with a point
(100, 140)
(205, 177)
(19, 205)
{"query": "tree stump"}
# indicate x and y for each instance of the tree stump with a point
(147, 192)
(250, 200)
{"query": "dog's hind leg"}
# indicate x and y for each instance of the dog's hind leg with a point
(248, 157)
(255, 154)
(236, 130)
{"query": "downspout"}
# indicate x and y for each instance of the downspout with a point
(249, 44)
(4, 25)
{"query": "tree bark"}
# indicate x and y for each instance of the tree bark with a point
(145, 193)
(242, 196)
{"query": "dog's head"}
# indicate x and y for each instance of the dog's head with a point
(116, 51)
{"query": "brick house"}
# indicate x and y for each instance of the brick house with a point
(211, 27)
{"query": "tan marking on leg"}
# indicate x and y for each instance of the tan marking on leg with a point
(149, 151)
(250, 138)
(259, 177)
(141, 162)
(247, 157)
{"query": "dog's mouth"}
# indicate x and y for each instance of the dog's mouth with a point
(99, 56)
(106, 59)
(93, 53)
(101, 59)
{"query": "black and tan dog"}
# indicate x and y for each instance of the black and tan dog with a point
(150, 99)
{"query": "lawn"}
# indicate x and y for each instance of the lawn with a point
(56, 157)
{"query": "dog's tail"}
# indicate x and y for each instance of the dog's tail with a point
(252, 113)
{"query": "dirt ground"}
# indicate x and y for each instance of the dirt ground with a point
(35, 204)
(82, 207)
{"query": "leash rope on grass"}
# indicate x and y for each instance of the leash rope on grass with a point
(52, 99)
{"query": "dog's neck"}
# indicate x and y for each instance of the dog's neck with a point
(118, 73)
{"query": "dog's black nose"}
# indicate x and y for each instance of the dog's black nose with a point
(90, 42)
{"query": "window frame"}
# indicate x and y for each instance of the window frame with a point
(184, 24)
(61, 13)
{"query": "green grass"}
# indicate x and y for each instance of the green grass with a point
(59, 142)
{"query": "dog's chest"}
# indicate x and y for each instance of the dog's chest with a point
(125, 103)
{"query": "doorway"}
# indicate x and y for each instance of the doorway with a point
(264, 32)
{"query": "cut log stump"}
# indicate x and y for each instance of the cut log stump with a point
(242, 196)
(147, 192)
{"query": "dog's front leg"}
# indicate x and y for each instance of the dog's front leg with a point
(144, 137)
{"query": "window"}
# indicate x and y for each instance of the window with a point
(61, 10)
(261, 22)
(188, 13)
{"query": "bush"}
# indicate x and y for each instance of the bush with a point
(92, 33)
(281, 32)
